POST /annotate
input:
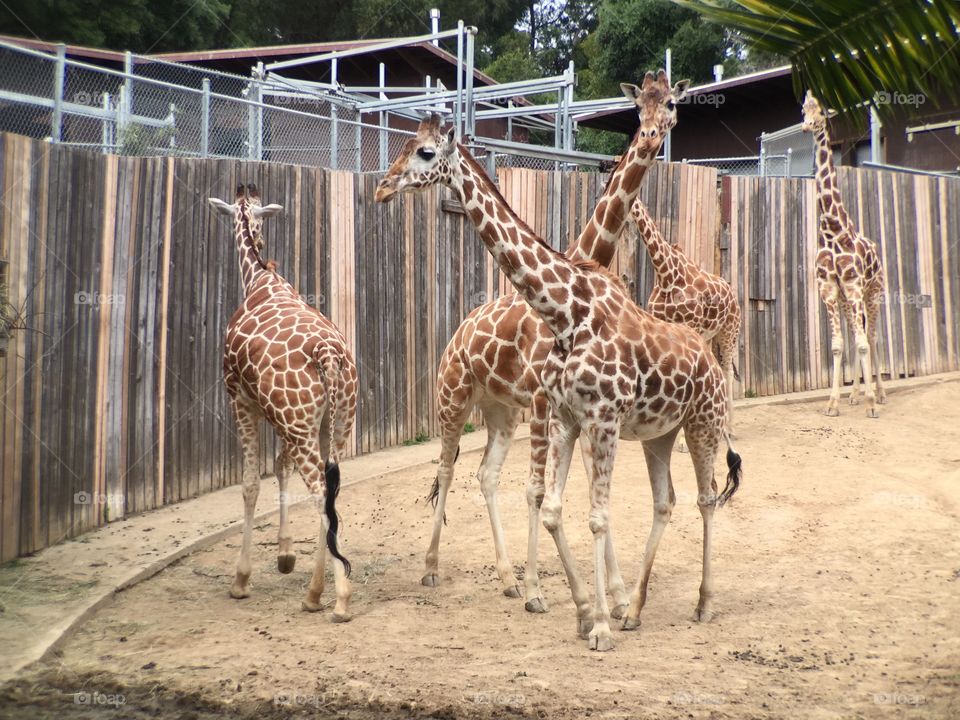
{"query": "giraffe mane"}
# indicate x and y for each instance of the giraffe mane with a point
(492, 188)
(591, 265)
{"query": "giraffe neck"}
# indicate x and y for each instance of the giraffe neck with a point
(828, 192)
(666, 266)
(598, 240)
(251, 264)
(540, 275)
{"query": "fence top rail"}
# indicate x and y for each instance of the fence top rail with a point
(955, 174)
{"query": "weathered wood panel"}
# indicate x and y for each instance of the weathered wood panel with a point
(115, 404)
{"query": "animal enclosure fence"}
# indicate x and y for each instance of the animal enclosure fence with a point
(112, 401)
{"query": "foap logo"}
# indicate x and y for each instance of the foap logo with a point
(91, 498)
(920, 300)
(99, 699)
(480, 298)
(314, 300)
(898, 698)
(715, 99)
(900, 98)
(696, 698)
(494, 697)
(96, 299)
(90, 98)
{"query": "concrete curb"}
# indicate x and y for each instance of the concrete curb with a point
(60, 632)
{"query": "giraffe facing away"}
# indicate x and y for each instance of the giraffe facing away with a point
(849, 273)
(494, 358)
(285, 362)
(613, 369)
(684, 293)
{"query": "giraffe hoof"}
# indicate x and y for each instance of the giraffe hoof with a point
(310, 606)
(600, 640)
(286, 562)
(619, 611)
(872, 412)
(341, 617)
(630, 623)
(682, 448)
(536, 605)
(704, 615)
(854, 400)
(513, 592)
(882, 399)
(239, 593)
(430, 580)
(832, 412)
(584, 627)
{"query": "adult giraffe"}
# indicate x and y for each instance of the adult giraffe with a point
(849, 273)
(285, 362)
(684, 293)
(494, 358)
(612, 369)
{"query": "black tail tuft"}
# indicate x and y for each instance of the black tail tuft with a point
(734, 476)
(331, 476)
(736, 373)
(434, 497)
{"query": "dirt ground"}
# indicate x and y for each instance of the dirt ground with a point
(838, 596)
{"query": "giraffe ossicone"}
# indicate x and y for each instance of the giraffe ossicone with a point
(288, 364)
(612, 369)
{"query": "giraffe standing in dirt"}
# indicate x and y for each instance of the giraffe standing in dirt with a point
(849, 273)
(613, 370)
(286, 363)
(493, 361)
(684, 293)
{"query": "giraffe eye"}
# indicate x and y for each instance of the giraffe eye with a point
(426, 153)
(671, 105)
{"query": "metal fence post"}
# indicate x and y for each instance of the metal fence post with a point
(458, 108)
(384, 119)
(875, 146)
(668, 67)
(105, 126)
(334, 137)
(205, 119)
(789, 162)
(60, 73)
(358, 135)
(763, 157)
(471, 36)
(128, 80)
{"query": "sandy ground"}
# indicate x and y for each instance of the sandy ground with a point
(838, 596)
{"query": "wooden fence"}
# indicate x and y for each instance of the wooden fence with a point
(112, 401)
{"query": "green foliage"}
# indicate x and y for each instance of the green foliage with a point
(633, 35)
(142, 140)
(748, 393)
(852, 51)
(418, 439)
(468, 427)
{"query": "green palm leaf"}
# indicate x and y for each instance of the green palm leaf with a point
(854, 51)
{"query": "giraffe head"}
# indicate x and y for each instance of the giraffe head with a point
(814, 119)
(428, 158)
(247, 212)
(656, 103)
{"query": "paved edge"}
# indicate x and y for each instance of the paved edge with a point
(61, 632)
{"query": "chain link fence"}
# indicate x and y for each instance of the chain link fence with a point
(155, 107)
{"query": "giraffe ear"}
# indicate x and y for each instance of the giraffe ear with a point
(451, 141)
(267, 211)
(630, 91)
(680, 90)
(221, 207)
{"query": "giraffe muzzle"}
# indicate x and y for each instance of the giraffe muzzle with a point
(386, 191)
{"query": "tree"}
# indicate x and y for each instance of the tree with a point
(854, 51)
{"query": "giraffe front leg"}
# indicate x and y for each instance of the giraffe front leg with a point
(562, 440)
(448, 457)
(603, 448)
(836, 347)
(535, 491)
(286, 559)
(615, 584)
(857, 314)
(501, 425)
(247, 418)
(873, 312)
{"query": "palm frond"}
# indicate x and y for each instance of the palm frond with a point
(855, 51)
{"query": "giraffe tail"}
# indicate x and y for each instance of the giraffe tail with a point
(734, 474)
(329, 363)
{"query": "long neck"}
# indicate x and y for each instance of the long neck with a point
(542, 276)
(598, 239)
(828, 194)
(665, 262)
(251, 264)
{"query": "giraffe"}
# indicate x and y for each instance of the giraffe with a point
(849, 274)
(494, 358)
(612, 369)
(684, 293)
(286, 363)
